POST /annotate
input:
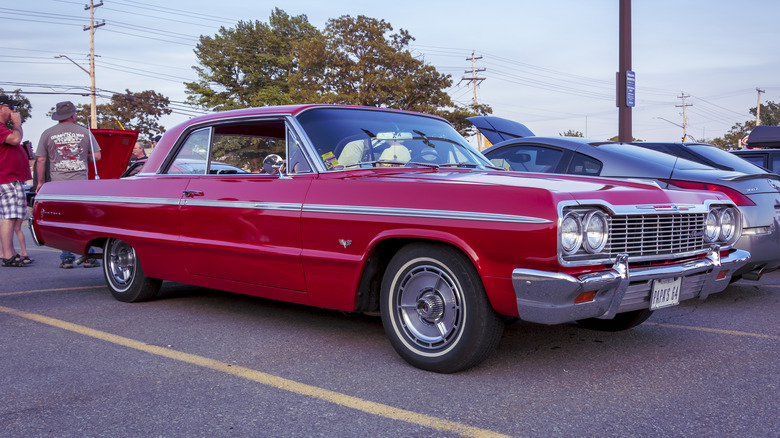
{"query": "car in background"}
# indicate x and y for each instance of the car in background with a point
(374, 210)
(755, 191)
(763, 148)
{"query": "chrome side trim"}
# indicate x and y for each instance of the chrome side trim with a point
(414, 212)
(242, 204)
(109, 199)
(311, 208)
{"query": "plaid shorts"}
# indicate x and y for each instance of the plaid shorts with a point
(13, 202)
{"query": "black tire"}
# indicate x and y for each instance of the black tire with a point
(435, 311)
(124, 275)
(621, 321)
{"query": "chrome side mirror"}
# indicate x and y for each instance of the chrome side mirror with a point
(273, 164)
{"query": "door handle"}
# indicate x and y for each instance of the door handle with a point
(192, 193)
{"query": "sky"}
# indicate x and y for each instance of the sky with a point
(550, 65)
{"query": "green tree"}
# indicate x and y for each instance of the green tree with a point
(359, 62)
(24, 108)
(617, 139)
(356, 61)
(251, 64)
(571, 133)
(770, 116)
(137, 111)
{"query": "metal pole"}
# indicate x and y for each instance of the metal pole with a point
(624, 111)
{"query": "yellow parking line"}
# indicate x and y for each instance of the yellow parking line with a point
(5, 294)
(359, 404)
(713, 330)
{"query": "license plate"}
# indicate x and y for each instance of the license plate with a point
(665, 293)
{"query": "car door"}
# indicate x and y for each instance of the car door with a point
(239, 219)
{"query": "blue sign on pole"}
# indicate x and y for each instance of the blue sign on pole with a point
(630, 88)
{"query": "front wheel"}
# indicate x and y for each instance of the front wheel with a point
(621, 321)
(124, 275)
(435, 311)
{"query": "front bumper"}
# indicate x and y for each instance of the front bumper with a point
(549, 297)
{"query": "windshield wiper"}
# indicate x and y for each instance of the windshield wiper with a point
(463, 164)
(424, 137)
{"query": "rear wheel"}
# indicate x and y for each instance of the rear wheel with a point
(124, 275)
(621, 321)
(435, 311)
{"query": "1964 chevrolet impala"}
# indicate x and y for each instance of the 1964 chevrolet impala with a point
(365, 210)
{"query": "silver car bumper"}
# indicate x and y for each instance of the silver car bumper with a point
(549, 297)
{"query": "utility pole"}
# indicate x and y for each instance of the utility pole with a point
(91, 28)
(758, 106)
(685, 118)
(625, 77)
(474, 82)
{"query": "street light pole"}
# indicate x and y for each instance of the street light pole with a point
(93, 109)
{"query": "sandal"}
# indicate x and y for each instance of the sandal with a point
(15, 261)
(26, 260)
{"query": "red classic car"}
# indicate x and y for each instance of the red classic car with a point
(366, 210)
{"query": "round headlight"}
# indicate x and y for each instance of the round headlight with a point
(596, 232)
(728, 224)
(711, 227)
(571, 233)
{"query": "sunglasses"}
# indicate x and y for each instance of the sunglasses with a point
(12, 107)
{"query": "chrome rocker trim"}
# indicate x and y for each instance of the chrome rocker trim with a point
(548, 297)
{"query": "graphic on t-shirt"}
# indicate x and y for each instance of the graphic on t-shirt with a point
(70, 154)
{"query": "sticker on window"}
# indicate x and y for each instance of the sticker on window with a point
(330, 160)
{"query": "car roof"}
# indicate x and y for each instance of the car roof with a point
(764, 136)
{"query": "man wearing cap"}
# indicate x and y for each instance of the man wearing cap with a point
(155, 140)
(68, 148)
(14, 171)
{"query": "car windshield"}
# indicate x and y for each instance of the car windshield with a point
(354, 138)
(724, 158)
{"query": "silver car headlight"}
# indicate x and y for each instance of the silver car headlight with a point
(596, 232)
(571, 233)
(729, 222)
(712, 227)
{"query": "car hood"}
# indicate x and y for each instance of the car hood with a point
(115, 149)
(497, 129)
(522, 187)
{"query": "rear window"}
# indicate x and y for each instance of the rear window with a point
(724, 158)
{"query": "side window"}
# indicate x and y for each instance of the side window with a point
(584, 165)
(758, 160)
(527, 158)
(241, 148)
(192, 156)
(775, 163)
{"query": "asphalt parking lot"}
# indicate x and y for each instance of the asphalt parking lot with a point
(199, 362)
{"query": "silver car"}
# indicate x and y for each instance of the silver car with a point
(755, 191)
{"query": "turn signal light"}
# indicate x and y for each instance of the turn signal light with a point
(585, 297)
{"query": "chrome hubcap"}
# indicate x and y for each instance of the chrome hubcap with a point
(429, 307)
(120, 265)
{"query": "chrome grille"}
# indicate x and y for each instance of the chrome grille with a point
(656, 234)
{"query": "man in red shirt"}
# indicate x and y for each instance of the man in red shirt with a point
(14, 171)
